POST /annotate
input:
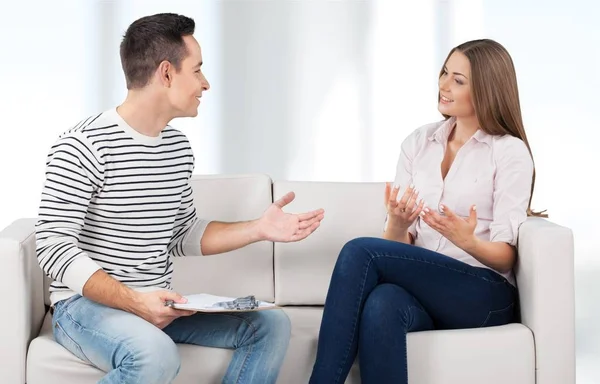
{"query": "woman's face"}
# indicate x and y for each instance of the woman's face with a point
(455, 90)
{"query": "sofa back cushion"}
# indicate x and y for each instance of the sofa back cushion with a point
(238, 273)
(247, 271)
(303, 269)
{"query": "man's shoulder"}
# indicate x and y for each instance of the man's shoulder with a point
(173, 133)
(89, 124)
(82, 137)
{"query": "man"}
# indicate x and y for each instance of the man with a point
(117, 202)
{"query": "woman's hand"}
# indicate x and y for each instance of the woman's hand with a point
(460, 231)
(401, 214)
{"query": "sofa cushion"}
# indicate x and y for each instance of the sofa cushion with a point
(459, 356)
(303, 269)
(246, 271)
(239, 273)
(49, 363)
(494, 355)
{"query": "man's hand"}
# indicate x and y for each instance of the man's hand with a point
(150, 306)
(460, 231)
(278, 226)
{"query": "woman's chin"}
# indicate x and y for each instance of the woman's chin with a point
(444, 110)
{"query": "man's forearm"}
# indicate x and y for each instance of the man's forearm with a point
(104, 289)
(222, 237)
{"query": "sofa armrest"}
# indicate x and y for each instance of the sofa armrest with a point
(23, 298)
(545, 277)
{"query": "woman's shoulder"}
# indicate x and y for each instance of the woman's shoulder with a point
(509, 150)
(509, 145)
(424, 132)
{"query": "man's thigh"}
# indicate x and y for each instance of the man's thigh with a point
(105, 336)
(230, 329)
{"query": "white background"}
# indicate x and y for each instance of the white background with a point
(319, 90)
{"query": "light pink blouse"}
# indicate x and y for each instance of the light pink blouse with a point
(492, 172)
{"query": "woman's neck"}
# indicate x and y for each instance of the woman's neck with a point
(464, 128)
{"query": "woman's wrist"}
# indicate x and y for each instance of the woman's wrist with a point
(397, 233)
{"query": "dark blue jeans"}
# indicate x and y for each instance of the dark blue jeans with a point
(382, 289)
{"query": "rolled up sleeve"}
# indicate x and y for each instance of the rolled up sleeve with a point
(512, 190)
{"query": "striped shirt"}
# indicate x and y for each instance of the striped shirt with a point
(117, 200)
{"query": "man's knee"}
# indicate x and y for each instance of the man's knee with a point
(274, 325)
(152, 360)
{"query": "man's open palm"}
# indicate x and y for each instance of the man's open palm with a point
(279, 226)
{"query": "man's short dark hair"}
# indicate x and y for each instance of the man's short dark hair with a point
(151, 40)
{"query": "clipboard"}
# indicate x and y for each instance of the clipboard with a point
(204, 302)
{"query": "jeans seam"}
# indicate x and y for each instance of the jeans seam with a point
(96, 333)
(74, 342)
(405, 257)
(245, 362)
(412, 317)
(495, 311)
(355, 318)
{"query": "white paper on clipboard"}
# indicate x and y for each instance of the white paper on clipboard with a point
(203, 302)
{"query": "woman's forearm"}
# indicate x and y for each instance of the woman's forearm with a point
(499, 256)
(400, 235)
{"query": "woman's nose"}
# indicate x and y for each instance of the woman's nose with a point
(443, 83)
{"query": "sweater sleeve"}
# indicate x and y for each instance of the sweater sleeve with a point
(189, 228)
(73, 174)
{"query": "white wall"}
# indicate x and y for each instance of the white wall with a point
(318, 90)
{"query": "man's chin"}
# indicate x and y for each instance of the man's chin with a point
(190, 113)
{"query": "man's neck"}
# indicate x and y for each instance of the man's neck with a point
(145, 113)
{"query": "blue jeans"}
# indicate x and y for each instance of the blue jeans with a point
(381, 289)
(132, 350)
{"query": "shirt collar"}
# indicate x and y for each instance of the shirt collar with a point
(441, 134)
(483, 137)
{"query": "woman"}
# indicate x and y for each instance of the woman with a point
(448, 249)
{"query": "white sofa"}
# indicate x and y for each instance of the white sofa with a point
(296, 276)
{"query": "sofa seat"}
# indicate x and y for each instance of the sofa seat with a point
(457, 356)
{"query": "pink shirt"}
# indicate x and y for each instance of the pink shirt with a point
(492, 172)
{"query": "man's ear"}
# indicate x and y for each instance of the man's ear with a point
(165, 70)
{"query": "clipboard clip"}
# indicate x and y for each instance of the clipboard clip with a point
(240, 304)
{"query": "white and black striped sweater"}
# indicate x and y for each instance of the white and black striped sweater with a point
(118, 200)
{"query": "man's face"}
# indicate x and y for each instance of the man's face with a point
(188, 83)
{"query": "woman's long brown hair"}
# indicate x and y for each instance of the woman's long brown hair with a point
(495, 93)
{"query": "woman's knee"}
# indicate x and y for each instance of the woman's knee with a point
(386, 305)
(356, 251)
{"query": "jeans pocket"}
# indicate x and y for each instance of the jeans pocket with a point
(59, 305)
(63, 338)
(499, 317)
